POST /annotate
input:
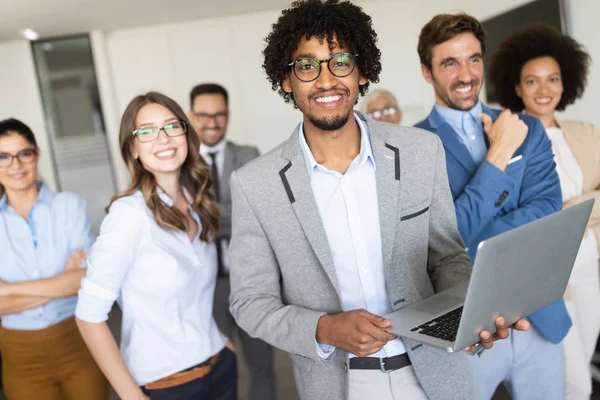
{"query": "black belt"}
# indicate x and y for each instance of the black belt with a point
(385, 364)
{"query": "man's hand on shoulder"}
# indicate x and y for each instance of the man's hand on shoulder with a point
(506, 135)
(357, 332)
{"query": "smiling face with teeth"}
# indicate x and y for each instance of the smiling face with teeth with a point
(326, 102)
(541, 86)
(164, 156)
(456, 72)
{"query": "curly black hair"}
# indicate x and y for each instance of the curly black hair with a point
(321, 19)
(534, 41)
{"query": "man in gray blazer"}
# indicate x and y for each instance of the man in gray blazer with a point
(346, 221)
(209, 115)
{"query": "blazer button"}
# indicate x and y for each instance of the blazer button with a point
(345, 367)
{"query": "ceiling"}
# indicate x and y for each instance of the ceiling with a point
(65, 17)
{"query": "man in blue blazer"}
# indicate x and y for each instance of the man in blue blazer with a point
(502, 175)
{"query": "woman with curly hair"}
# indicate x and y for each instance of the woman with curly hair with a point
(155, 255)
(539, 70)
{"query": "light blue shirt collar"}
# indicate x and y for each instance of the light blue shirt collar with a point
(469, 129)
(455, 117)
(45, 196)
(365, 154)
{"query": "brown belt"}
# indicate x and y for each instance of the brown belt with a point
(183, 377)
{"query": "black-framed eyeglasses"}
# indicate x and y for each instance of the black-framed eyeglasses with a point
(151, 133)
(308, 69)
(25, 156)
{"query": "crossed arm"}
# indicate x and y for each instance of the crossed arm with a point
(21, 296)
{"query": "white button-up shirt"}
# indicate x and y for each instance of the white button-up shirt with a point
(349, 210)
(163, 282)
(219, 149)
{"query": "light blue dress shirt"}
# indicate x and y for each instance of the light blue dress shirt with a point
(349, 209)
(469, 129)
(39, 248)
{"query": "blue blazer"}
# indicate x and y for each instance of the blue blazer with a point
(488, 201)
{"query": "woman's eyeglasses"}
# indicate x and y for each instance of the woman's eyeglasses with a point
(25, 156)
(151, 133)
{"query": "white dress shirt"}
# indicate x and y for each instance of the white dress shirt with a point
(349, 210)
(567, 168)
(218, 148)
(205, 151)
(571, 184)
(163, 282)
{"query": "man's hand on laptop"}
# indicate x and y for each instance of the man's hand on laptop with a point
(357, 332)
(488, 339)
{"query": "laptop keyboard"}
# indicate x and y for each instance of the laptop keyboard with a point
(443, 327)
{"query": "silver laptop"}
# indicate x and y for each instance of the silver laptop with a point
(515, 274)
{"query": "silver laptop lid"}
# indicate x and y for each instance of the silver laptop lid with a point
(531, 266)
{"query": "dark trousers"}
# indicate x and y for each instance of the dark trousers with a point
(258, 354)
(219, 384)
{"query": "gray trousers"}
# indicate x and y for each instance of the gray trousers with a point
(258, 354)
(530, 367)
(401, 384)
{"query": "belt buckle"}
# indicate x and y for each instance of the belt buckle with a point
(382, 367)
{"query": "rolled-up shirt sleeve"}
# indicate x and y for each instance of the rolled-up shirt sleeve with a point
(111, 257)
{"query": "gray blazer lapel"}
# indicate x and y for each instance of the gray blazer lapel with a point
(296, 181)
(228, 168)
(387, 173)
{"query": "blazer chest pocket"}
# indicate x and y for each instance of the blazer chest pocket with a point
(516, 165)
(304, 363)
(414, 212)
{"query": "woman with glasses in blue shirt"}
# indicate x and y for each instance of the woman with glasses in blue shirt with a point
(156, 256)
(43, 237)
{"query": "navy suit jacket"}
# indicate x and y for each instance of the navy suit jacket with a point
(488, 201)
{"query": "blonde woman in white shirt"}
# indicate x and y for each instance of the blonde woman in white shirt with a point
(155, 256)
(541, 71)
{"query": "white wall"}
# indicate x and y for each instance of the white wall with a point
(582, 24)
(110, 111)
(398, 24)
(172, 58)
(21, 99)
